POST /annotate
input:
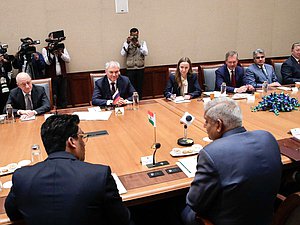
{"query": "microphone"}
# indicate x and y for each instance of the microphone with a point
(54, 104)
(187, 119)
(156, 146)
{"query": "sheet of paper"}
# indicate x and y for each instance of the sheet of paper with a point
(180, 99)
(296, 133)
(47, 115)
(284, 88)
(103, 115)
(240, 96)
(188, 165)
(94, 109)
(26, 118)
(120, 186)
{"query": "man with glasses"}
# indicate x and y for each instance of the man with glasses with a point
(64, 189)
(28, 99)
(259, 72)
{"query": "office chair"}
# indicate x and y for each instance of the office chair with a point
(288, 212)
(47, 85)
(277, 63)
(208, 76)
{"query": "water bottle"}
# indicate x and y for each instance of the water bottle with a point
(265, 88)
(36, 155)
(223, 89)
(135, 100)
(9, 114)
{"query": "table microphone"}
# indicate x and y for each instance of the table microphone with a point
(187, 120)
(155, 164)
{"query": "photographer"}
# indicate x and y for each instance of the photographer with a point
(28, 60)
(5, 75)
(56, 56)
(135, 52)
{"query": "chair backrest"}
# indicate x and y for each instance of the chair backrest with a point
(208, 75)
(245, 65)
(94, 77)
(277, 63)
(288, 212)
(47, 85)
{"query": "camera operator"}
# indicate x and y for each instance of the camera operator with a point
(28, 60)
(135, 52)
(56, 56)
(5, 75)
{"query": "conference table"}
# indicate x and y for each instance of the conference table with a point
(131, 136)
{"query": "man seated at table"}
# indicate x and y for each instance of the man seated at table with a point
(259, 71)
(107, 86)
(63, 189)
(238, 174)
(28, 99)
(232, 74)
(290, 69)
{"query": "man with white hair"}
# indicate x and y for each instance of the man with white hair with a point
(238, 174)
(107, 86)
(28, 99)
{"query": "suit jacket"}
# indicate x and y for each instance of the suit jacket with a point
(290, 71)
(63, 190)
(237, 179)
(193, 86)
(222, 75)
(102, 91)
(40, 101)
(255, 76)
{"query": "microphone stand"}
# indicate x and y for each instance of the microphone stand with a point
(154, 164)
(185, 141)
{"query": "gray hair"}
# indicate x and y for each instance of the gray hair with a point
(22, 75)
(295, 45)
(226, 110)
(112, 64)
(258, 51)
(231, 53)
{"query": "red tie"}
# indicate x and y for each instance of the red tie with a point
(233, 83)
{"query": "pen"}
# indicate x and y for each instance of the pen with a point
(185, 167)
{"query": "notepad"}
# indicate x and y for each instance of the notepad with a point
(188, 165)
(103, 115)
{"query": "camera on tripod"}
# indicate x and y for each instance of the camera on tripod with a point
(54, 41)
(27, 47)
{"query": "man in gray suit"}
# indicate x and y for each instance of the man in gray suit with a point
(238, 174)
(259, 72)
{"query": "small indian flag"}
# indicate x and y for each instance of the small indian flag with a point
(151, 118)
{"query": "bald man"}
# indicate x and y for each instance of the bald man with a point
(28, 99)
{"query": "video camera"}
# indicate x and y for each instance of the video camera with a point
(27, 47)
(3, 51)
(55, 39)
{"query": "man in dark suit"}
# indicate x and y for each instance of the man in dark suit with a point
(238, 174)
(232, 75)
(290, 69)
(28, 99)
(63, 189)
(259, 71)
(112, 82)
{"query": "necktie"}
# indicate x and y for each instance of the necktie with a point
(28, 103)
(264, 72)
(113, 88)
(233, 82)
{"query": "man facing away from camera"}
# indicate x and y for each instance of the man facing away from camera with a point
(64, 189)
(238, 174)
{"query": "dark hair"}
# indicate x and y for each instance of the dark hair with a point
(177, 73)
(133, 30)
(56, 130)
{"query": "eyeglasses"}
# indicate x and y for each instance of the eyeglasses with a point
(84, 137)
(260, 57)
